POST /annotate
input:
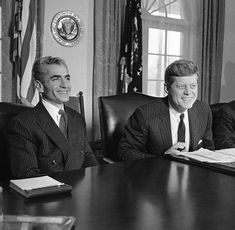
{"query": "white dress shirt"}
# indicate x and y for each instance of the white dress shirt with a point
(53, 111)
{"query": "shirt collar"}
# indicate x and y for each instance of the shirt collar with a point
(52, 109)
(174, 112)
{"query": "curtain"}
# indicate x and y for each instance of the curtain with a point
(108, 24)
(213, 13)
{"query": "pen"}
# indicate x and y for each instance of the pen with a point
(67, 222)
(44, 188)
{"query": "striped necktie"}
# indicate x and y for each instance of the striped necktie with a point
(63, 122)
(181, 129)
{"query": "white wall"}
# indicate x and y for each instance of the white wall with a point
(228, 74)
(78, 58)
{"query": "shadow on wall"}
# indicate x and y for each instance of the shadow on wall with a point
(228, 83)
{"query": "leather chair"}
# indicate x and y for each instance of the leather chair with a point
(7, 111)
(114, 112)
(231, 104)
(215, 110)
(216, 107)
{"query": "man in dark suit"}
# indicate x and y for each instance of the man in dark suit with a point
(224, 126)
(156, 128)
(44, 139)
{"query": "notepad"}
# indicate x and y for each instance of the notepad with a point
(36, 182)
(39, 186)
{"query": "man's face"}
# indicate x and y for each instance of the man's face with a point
(55, 84)
(183, 92)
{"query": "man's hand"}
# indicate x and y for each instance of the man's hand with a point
(178, 147)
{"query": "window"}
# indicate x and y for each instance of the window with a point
(166, 36)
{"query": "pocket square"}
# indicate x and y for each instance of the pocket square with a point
(199, 142)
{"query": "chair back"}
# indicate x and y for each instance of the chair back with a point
(7, 112)
(77, 103)
(216, 107)
(231, 104)
(114, 112)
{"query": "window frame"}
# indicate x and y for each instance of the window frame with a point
(168, 24)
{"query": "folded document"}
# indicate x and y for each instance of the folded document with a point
(205, 155)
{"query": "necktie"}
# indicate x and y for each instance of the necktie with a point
(181, 129)
(63, 122)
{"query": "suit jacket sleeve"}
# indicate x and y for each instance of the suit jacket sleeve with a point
(208, 142)
(223, 128)
(22, 150)
(90, 158)
(132, 145)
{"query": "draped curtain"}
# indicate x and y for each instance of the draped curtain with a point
(213, 13)
(108, 24)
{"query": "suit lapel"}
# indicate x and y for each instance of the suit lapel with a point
(51, 129)
(165, 125)
(71, 127)
(74, 139)
(193, 127)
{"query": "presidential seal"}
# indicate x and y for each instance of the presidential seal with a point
(67, 28)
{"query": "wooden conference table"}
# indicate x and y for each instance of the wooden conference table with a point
(142, 195)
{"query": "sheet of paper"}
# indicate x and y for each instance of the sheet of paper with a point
(229, 152)
(205, 155)
(37, 222)
(35, 219)
(36, 182)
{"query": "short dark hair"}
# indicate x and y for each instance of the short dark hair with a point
(48, 60)
(180, 68)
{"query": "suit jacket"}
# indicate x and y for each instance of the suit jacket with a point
(148, 131)
(37, 146)
(224, 128)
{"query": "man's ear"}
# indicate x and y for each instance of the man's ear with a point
(166, 88)
(39, 86)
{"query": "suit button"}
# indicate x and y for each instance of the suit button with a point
(54, 162)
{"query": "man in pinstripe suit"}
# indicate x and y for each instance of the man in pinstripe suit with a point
(153, 128)
(37, 145)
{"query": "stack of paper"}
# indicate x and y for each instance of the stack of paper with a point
(39, 186)
(205, 155)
